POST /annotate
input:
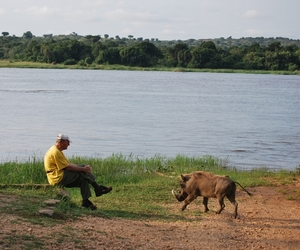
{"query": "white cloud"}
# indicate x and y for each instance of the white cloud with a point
(2, 11)
(77, 15)
(133, 17)
(181, 32)
(145, 16)
(167, 32)
(95, 3)
(38, 11)
(251, 13)
(253, 32)
(118, 14)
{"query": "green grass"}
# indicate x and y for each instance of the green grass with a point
(27, 241)
(141, 186)
(21, 64)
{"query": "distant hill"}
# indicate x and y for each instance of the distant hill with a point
(225, 43)
(222, 42)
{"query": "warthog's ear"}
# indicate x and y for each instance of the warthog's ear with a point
(185, 178)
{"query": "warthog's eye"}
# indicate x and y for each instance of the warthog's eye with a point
(182, 185)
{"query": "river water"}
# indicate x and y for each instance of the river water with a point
(250, 120)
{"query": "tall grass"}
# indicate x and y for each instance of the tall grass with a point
(29, 172)
(116, 168)
(120, 169)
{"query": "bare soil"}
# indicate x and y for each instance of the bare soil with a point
(270, 219)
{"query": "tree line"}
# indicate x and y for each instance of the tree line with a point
(86, 50)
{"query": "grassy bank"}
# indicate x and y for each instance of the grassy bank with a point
(141, 186)
(21, 64)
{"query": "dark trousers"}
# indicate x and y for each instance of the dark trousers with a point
(78, 179)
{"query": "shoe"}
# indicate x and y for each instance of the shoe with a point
(102, 190)
(88, 204)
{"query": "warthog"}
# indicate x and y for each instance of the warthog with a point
(207, 185)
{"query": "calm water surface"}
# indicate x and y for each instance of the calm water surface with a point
(251, 120)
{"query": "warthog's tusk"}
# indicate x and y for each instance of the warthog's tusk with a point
(173, 193)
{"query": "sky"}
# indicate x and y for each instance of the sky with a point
(158, 19)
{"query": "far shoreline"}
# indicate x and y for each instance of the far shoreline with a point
(35, 65)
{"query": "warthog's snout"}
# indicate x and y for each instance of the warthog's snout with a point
(179, 196)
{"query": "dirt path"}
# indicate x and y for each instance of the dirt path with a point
(268, 220)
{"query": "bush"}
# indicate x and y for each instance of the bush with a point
(70, 62)
(292, 67)
(81, 63)
(88, 60)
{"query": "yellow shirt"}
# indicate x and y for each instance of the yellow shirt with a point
(54, 163)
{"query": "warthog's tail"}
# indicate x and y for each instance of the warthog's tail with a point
(243, 188)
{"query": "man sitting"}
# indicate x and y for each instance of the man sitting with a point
(62, 173)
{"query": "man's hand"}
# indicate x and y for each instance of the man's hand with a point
(87, 169)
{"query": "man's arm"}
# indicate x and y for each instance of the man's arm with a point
(76, 168)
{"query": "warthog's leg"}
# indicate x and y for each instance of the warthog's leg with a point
(188, 200)
(231, 198)
(235, 214)
(205, 201)
(221, 203)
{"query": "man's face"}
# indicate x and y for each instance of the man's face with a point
(64, 144)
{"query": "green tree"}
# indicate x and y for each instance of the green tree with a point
(255, 47)
(183, 58)
(205, 57)
(208, 45)
(59, 52)
(32, 51)
(5, 33)
(28, 35)
(272, 60)
(144, 54)
(76, 50)
(97, 48)
(233, 58)
(254, 60)
(48, 35)
(47, 54)
(109, 56)
(93, 39)
(178, 55)
(275, 46)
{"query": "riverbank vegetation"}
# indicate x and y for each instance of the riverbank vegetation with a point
(257, 55)
(39, 65)
(141, 187)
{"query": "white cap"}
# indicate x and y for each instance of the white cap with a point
(63, 137)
